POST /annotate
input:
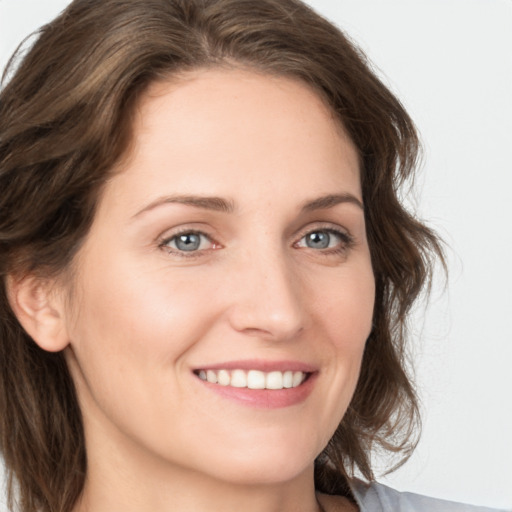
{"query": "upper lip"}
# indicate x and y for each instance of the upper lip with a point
(261, 365)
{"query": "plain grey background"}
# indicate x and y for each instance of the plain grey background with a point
(450, 62)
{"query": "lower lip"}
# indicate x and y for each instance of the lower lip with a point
(265, 398)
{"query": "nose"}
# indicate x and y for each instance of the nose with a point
(266, 298)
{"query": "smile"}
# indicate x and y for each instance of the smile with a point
(254, 379)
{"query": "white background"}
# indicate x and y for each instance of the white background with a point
(450, 62)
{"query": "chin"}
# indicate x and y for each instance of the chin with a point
(268, 471)
(261, 462)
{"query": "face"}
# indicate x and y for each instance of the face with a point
(224, 294)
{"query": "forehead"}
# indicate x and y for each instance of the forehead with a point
(206, 86)
(226, 128)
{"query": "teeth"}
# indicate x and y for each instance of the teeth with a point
(238, 379)
(211, 376)
(223, 378)
(288, 379)
(253, 379)
(256, 380)
(274, 380)
(297, 379)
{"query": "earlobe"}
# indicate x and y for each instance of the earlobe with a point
(39, 310)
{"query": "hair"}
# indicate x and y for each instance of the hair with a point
(66, 120)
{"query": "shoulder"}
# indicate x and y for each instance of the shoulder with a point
(376, 497)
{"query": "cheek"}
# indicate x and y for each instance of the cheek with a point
(345, 303)
(344, 311)
(132, 311)
(129, 339)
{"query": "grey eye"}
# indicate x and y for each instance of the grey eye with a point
(187, 241)
(318, 240)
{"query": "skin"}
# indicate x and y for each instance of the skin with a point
(142, 316)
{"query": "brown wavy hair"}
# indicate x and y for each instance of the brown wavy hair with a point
(65, 121)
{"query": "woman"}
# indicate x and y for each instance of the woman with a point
(207, 270)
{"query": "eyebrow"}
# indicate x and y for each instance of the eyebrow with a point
(222, 205)
(331, 200)
(217, 204)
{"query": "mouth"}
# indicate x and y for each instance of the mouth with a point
(253, 379)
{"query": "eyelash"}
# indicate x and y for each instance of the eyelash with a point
(184, 254)
(346, 242)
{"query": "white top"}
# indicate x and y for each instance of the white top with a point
(376, 497)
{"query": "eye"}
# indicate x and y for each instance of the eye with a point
(318, 240)
(322, 239)
(187, 242)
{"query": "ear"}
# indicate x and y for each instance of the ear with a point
(40, 311)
